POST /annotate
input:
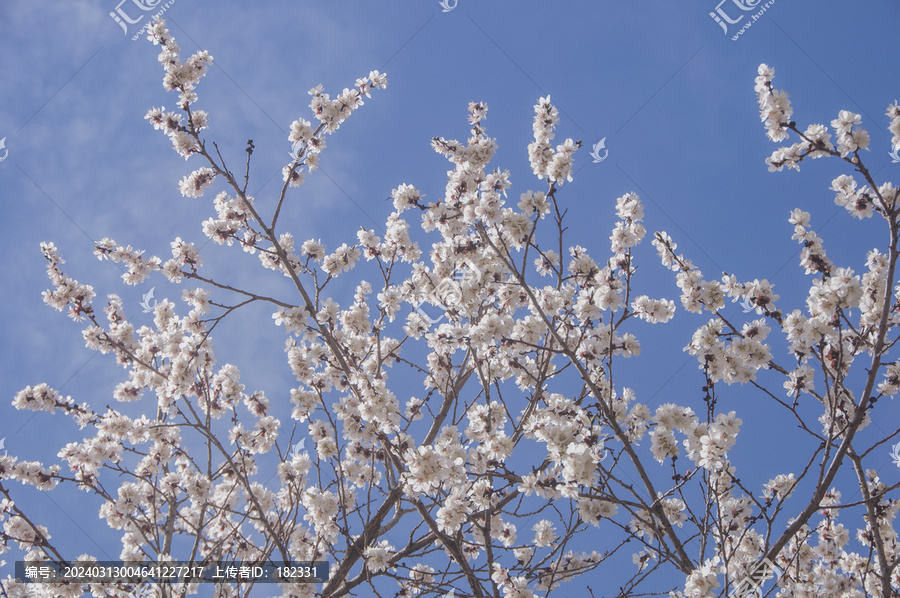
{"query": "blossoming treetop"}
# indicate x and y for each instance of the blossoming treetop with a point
(523, 436)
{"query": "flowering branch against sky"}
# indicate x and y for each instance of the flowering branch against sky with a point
(685, 155)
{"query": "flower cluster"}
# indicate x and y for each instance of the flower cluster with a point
(775, 109)
(555, 165)
(182, 77)
(307, 141)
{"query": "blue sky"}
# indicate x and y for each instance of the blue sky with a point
(671, 93)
